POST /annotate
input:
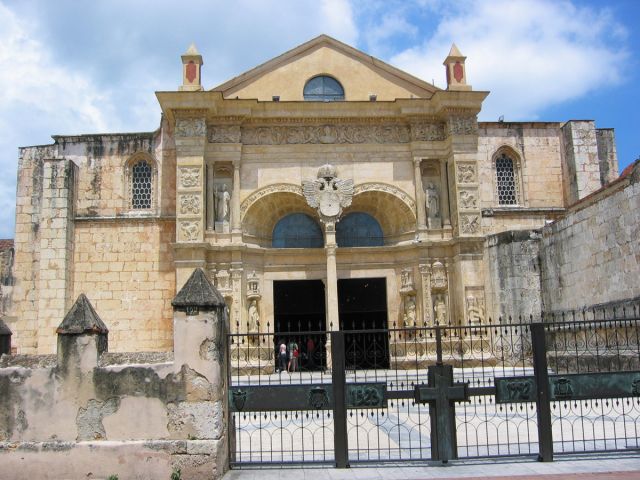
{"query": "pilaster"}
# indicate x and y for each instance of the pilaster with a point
(420, 197)
(56, 249)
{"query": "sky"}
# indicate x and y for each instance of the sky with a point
(72, 67)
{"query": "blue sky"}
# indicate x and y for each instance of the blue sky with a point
(71, 66)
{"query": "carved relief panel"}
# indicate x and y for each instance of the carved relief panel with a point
(189, 204)
(474, 305)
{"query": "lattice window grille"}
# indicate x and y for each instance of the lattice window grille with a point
(506, 181)
(141, 174)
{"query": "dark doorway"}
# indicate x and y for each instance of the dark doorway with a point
(362, 306)
(299, 316)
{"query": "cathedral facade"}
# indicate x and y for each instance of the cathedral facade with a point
(323, 189)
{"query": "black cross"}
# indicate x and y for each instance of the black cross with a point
(441, 393)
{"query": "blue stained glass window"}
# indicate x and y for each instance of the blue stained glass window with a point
(359, 229)
(297, 230)
(323, 89)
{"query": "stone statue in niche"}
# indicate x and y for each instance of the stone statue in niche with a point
(440, 309)
(406, 281)
(409, 317)
(475, 310)
(439, 276)
(432, 201)
(222, 204)
(254, 317)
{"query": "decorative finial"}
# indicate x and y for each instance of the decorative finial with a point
(456, 71)
(191, 67)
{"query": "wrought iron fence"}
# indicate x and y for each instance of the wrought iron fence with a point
(496, 367)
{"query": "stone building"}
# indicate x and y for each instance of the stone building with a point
(323, 188)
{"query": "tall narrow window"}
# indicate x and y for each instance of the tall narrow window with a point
(506, 181)
(323, 89)
(141, 185)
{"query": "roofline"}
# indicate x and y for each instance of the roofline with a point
(262, 69)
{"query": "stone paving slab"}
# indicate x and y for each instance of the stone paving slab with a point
(598, 467)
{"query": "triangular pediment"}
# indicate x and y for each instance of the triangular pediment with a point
(361, 75)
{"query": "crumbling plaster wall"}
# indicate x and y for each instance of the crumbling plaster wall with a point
(169, 414)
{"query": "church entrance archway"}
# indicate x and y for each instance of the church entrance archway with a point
(299, 316)
(362, 307)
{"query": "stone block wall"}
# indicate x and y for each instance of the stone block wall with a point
(591, 256)
(126, 269)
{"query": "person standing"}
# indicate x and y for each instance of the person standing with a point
(282, 356)
(292, 347)
(310, 351)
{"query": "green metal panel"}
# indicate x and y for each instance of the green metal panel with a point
(575, 386)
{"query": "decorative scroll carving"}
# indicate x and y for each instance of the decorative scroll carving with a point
(190, 231)
(469, 224)
(224, 134)
(468, 199)
(313, 134)
(328, 193)
(189, 177)
(383, 187)
(427, 132)
(466, 173)
(189, 204)
(427, 301)
(190, 127)
(276, 188)
(462, 125)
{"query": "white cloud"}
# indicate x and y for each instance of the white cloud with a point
(529, 54)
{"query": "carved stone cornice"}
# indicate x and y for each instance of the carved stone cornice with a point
(190, 113)
(385, 188)
(269, 189)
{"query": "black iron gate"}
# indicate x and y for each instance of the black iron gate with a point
(445, 392)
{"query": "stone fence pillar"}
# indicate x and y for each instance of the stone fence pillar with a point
(82, 338)
(200, 327)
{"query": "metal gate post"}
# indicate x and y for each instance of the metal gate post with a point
(543, 405)
(338, 375)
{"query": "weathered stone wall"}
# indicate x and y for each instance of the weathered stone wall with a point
(75, 231)
(513, 274)
(591, 255)
(581, 159)
(126, 269)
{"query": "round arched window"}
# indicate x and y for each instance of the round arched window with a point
(359, 229)
(297, 230)
(323, 89)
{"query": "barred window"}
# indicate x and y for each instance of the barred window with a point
(141, 185)
(506, 181)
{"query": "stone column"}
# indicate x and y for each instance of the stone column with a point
(333, 319)
(236, 228)
(56, 249)
(420, 198)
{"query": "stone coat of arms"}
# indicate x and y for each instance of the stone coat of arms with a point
(328, 193)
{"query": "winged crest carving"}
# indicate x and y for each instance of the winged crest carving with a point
(328, 193)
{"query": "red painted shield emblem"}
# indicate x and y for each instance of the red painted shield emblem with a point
(191, 71)
(457, 72)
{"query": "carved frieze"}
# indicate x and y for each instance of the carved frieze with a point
(462, 125)
(224, 134)
(468, 199)
(319, 134)
(190, 231)
(466, 173)
(190, 127)
(276, 188)
(189, 177)
(190, 204)
(469, 224)
(427, 132)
